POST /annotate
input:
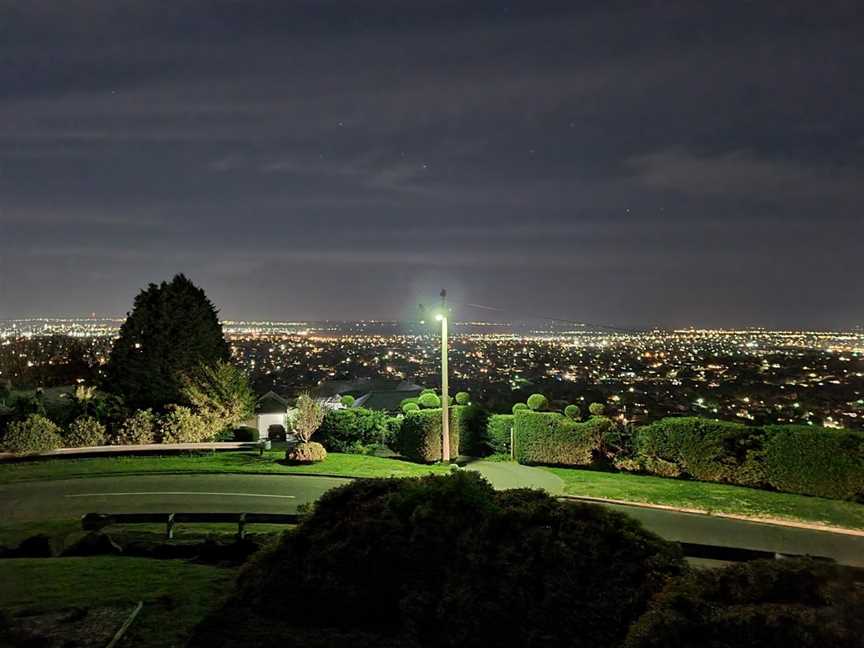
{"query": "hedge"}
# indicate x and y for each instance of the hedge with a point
(473, 438)
(419, 437)
(498, 429)
(552, 438)
(705, 449)
(350, 430)
(815, 461)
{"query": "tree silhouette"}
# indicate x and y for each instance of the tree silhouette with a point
(172, 330)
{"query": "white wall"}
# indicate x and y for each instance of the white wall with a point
(266, 420)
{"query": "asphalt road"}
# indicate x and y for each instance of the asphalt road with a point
(30, 501)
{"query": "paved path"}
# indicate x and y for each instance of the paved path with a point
(504, 474)
(30, 501)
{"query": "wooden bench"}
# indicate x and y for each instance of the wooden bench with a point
(96, 521)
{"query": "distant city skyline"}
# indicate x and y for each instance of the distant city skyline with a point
(671, 164)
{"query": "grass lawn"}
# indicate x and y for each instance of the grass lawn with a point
(339, 465)
(713, 498)
(176, 594)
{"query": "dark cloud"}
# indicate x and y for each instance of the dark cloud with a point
(667, 163)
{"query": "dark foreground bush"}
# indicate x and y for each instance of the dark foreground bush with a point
(783, 604)
(447, 561)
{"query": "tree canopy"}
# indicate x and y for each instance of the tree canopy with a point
(172, 330)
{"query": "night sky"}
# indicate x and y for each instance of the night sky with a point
(626, 163)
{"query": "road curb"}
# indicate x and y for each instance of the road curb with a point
(702, 512)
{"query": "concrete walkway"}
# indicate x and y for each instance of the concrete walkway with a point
(504, 475)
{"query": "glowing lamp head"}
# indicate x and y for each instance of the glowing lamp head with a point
(439, 317)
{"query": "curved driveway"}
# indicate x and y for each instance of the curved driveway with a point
(228, 493)
(236, 493)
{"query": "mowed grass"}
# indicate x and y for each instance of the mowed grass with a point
(712, 498)
(337, 465)
(176, 594)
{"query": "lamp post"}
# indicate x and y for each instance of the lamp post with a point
(445, 387)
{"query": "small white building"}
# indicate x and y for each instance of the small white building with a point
(271, 416)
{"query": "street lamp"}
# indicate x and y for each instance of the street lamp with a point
(445, 387)
(441, 316)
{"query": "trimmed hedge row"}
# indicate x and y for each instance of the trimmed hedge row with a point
(498, 430)
(353, 429)
(705, 449)
(815, 461)
(790, 458)
(419, 436)
(552, 438)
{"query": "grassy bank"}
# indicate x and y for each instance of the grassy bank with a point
(712, 498)
(176, 594)
(342, 465)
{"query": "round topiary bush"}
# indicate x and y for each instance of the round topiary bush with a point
(85, 432)
(426, 560)
(347, 400)
(538, 402)
(429, 400)
(463, 398)
(572, 412)
(426, 391)
(306, 453)
(138, 429)
(519, 406)
(597, 409)
(407, 408)
(36, 433)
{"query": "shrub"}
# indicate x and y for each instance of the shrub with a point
(420, 435)
(427, 391)
(538, 402)
(429, 400)
(307, 417)
(471, 421)
(407, 408)
(36, 433)
(305, 453)
(551, 438)
(498, 430)
(427, 560)
(519, 406)
(596, 409)
(463, 398)
(85, 432)
(350, 430)
(394, 425)
(705, 449)
(815, 461)
(573, 412)
(347, 400)
(405, 401)
(138, 429)
(246, 433)
(795, 604)
(182, 425)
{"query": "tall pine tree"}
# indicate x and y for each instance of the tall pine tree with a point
(172, 330)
